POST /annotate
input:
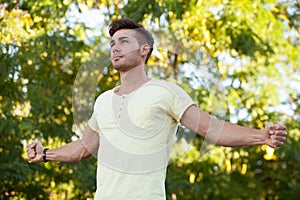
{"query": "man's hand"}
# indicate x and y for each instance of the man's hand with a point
(275, 135)
(35, 151)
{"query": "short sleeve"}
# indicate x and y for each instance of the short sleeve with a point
(93, 123)
(179, 101)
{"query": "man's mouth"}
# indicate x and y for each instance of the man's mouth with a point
(116, 58)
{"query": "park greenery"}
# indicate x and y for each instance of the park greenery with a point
(248, 49)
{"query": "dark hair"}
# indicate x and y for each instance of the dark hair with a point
(143, 36)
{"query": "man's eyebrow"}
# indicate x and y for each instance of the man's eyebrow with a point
(120, 38)
(124, 37)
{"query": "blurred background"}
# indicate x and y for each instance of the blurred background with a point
(250, 48)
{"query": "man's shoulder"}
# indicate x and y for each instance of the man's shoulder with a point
(169, 85)
(104, 95)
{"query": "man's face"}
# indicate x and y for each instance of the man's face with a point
(125, 50)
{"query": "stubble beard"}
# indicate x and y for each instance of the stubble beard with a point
(127, 61)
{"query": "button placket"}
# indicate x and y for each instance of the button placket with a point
(121, 107)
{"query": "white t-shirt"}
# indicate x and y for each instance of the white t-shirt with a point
(137, 131)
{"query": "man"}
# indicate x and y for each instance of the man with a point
(134, 125)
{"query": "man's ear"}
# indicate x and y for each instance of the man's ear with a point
(144, 50)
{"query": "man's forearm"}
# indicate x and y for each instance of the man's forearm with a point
(235, 135)
(228, 134)
(71, 152)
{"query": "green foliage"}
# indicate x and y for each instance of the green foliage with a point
(254, 45)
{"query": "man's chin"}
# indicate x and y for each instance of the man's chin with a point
(117, 67)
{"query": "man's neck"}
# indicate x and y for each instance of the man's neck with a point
(132, 79)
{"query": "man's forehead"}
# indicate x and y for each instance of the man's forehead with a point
(124, 33)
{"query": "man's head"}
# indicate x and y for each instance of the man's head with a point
(142, 35)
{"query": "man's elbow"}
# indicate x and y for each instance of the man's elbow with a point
(218, 140)
(81, 154)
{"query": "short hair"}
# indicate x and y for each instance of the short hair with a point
(143, 36)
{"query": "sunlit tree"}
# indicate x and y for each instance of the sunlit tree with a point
(249, 48)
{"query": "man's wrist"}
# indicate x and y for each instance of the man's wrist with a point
(44, 154)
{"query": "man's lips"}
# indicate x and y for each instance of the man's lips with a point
(115, 58)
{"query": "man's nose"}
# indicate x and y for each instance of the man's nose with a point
(115, 49)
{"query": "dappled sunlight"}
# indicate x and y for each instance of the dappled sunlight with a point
(238, 60)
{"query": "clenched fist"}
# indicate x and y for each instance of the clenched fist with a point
(276, 135)
(35, 151)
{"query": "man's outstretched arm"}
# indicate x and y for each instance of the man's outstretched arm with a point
(228, 134)
(72, 152)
